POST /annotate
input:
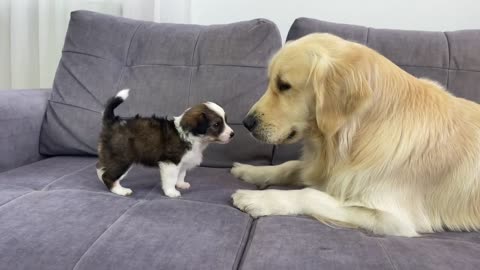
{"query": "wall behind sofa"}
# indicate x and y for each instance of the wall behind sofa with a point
(436, 15)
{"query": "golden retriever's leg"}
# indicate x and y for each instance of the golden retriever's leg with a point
(284, 174)
(321, 206)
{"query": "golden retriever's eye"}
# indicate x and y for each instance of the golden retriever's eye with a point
(283, 86)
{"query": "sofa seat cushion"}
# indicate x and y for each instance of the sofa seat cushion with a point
(52, 230)
(303, 243)
(10, 192)
(214, 185)
(42, 173)
(171, 234)
(140, 179)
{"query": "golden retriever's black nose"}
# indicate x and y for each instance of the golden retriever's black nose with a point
(250, 122)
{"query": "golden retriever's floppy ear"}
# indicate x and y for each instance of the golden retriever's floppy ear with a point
(341, 92)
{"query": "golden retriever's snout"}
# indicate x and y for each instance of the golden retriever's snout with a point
(250, 122)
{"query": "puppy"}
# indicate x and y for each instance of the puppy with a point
(174, 146)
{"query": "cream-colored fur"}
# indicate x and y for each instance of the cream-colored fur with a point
(383, 150)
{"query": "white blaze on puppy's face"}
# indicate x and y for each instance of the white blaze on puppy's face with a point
(227, 133)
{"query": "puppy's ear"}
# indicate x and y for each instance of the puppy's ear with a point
(195, 122)
(341, 92)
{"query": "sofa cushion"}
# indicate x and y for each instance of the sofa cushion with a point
(140, 179)
(42, 173)
(171, 234)
(21, 115)
(214, 185)
(451, 58)
(52, 230)
(168, 67)
(302, 243)
(10, 192)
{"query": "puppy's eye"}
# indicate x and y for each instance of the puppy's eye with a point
(216, 125)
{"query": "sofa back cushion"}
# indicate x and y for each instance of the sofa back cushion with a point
(451, 58)
(168, 68)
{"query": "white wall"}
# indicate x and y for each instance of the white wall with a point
(437, 15)
(32, 31)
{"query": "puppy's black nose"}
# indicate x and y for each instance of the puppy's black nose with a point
(250, 122)
(232, 134)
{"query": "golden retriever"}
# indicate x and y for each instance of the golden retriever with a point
(383, 151)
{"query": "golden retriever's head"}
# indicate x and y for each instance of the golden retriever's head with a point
(316, 84)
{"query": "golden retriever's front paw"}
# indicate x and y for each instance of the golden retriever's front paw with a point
(252, 202)
(249, 174)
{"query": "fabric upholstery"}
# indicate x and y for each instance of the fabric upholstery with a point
(214, 185)
(168, 67)
(68, 220)
(40, 174)
(21, 115)
(10, 192)
(170, 234)
(52, 230)
(451, 58)
(302, 243)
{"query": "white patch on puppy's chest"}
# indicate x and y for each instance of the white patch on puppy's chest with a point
(193, 157)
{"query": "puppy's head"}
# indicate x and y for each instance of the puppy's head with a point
(315, 84)
(207, 121)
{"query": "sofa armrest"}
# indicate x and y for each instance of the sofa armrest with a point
(21, 116)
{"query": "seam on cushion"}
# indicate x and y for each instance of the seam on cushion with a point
(75, 106)
(199, 65)
(14, 199)
(54, 92)
(131, 41)
(67, 130)
(60, 178)
(449, 58)
(389, 258)
(79, 82)
(120, 78)
(442, 68)
(106, 230)
(13, 169)
(230, 166)
(111, 194)
(17, 186)
(196, 201)
(243, 251)
(151, 190)
(274, 149)
(91, 55)
(368, 32)
(192, 70)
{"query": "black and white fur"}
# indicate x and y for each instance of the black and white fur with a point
(174, 146)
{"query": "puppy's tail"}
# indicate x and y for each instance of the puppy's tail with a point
(112, 103)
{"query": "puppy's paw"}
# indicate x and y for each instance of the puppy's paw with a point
(252, 202)
(172, 193)
(183, 185)
(250, 174)
(119, 190)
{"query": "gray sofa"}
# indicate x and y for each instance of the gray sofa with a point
(55, 214)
